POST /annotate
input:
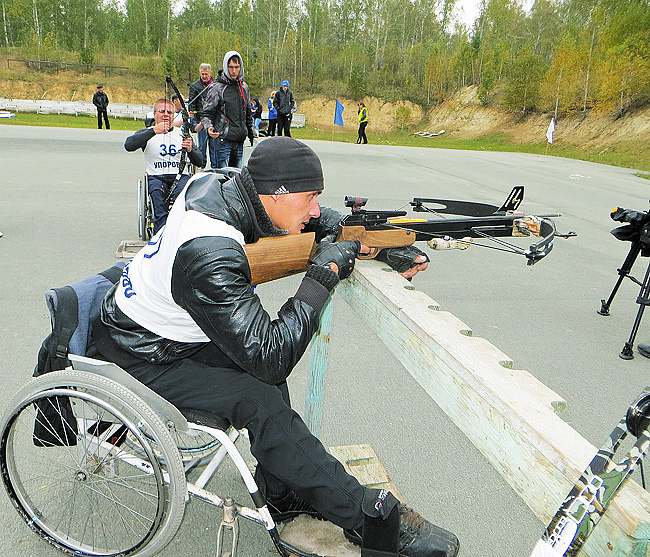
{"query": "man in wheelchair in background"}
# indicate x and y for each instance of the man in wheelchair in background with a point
(162, 145)
(184, 320)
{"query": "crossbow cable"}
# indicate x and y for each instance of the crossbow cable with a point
(453, 233)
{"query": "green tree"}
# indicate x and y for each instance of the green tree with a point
(357, 82)
(402, 116)
(523, 85)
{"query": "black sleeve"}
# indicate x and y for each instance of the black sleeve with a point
(210, 108)
(211, 281)
(139, 139)
(192, 105)
(249, 114)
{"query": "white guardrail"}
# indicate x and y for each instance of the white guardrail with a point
(116, 110)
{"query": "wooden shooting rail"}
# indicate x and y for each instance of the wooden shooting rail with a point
(508, 414)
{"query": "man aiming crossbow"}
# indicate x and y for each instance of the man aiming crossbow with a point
(185, 321)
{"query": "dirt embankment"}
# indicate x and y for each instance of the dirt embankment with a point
(463, 116)
(67, 86)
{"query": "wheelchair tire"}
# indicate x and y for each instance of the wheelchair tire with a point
(95, 497)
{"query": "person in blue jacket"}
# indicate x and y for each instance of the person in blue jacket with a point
(273, 115)
(285, 104)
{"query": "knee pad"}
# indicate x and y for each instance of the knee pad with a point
(380, 524)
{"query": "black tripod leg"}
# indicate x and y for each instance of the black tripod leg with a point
(627, 352)
(623, 272)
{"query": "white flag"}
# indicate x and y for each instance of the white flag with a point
(550, 130)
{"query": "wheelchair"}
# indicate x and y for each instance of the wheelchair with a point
(110, 475)
(145, 210)
(145, 206)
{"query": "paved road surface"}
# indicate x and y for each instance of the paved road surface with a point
(68, 198)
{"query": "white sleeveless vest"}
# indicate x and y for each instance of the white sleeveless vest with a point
(144, 291)
(162, 153)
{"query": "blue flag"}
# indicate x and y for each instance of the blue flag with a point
(338, 113)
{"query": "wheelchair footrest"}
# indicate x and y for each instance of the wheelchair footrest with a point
(128, 248)
(324, 538)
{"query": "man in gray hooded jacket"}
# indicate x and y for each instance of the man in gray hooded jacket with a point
(226, 114)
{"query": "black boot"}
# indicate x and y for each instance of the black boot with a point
(289, 507)
(286, 506)
(644, 350)
(418, 537)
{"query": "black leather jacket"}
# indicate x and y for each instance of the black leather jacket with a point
(211, 280)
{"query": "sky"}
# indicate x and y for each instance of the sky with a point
(470, 9)
(467, 11)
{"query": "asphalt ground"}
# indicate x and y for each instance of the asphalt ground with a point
(69, 198)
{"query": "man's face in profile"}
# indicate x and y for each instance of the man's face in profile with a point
(292, 211)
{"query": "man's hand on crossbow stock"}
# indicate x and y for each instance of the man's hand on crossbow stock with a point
(408, 261)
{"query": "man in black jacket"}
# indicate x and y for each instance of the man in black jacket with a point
(227, 113)
(197, 93)
(100, 100)
(285, 104)
(185, 321)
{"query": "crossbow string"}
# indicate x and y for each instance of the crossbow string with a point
(527, 225)
(185, 128)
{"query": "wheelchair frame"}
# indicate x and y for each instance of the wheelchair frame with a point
(145, 206)
(124, 485)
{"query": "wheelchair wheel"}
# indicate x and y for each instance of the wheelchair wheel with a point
(145, 211)
(79, 486)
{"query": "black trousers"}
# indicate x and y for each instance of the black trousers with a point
(159, 192)
(284, 124)
(362, 133)
(271, 129)
(102, 112)
(287, 453)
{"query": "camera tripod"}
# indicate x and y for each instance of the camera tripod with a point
(643, 299)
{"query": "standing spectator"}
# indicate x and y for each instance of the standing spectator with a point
(286, 106)
(256, 109)
(362, 114)
(227, 113)
(100, 100)
(273, 115)
(197, 94)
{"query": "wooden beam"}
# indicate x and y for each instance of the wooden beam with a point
(506, 413)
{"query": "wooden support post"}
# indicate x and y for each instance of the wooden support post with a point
(318, 357)
(507, 414)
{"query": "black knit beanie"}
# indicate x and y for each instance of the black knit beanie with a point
(284, 165)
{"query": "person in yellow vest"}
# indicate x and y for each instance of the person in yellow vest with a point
(362, 114)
